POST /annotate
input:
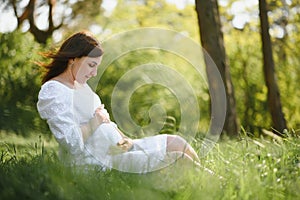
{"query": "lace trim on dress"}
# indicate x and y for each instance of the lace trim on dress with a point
(55, 105)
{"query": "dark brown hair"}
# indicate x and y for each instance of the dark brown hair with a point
(76, 46)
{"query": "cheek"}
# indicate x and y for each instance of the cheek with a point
(76, 71)
(82, 70)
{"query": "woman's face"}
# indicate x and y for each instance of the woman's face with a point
(84, 68)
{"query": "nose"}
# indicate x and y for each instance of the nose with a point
(94, 72)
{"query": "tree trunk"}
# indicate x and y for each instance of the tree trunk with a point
(40, 36)
(212, 41)
(274, 102)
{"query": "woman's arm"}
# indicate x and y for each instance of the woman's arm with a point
(88, 128)
(121, 133)
(101, 116)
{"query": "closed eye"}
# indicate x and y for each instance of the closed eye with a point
(93, 64)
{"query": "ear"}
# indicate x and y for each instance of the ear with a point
(71, 62)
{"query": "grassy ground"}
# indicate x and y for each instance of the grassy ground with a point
(251, 169)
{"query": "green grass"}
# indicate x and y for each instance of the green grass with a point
(251, 169)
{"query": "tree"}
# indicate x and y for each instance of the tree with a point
(33, 9)
(274, 102)
(212, 41)
(19, 84)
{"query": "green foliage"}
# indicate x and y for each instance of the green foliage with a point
(243, 48)
(19, 83)
(247, 74)
(286, 57)
(151, 13)
(245, 59)
(151, 94)
(250, 169)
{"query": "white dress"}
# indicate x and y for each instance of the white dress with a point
(65, 109)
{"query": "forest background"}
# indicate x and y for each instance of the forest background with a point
(20, 46)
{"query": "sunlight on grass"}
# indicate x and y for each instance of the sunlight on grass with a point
(251, 169)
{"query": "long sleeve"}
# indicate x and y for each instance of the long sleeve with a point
(55, 104)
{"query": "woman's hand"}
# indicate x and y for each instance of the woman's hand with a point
(125, 144)
(101, 115)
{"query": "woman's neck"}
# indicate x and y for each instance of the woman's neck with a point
(67, 78)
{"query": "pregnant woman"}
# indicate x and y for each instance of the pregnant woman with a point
(81, 124)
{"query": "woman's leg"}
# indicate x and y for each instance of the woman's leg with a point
(177, 143)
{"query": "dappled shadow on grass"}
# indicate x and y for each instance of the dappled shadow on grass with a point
(44, 177)
(251, 169)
